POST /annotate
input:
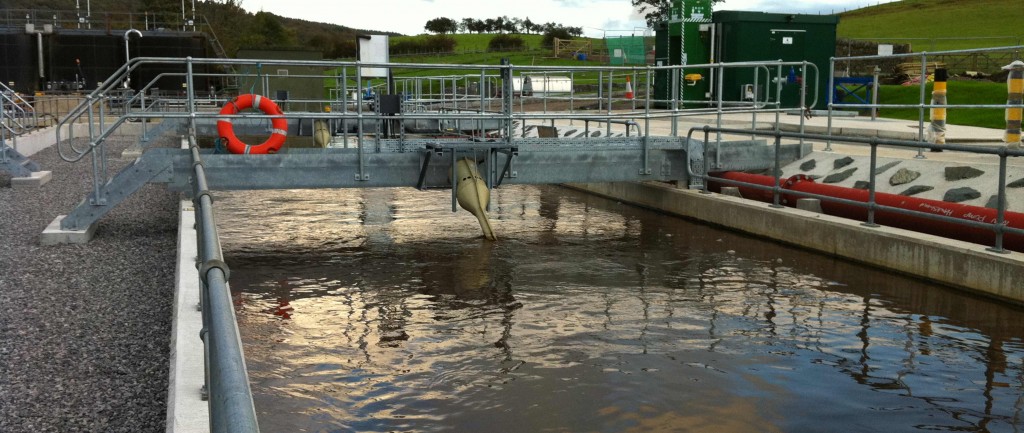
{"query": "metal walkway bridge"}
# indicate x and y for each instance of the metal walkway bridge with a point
(404, 131)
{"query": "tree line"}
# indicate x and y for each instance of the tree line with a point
(502, 24)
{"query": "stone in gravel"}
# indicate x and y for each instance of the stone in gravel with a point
(886, 167)
(957, 195)
(808, 165)
(839, 177)
(961, 173)
(1019, 183)
(903, 176)
(569, 132)
(993, 202)
(842, 162)
(862, 184)
(916, 189)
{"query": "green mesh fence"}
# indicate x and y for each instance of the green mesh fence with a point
(626, 50)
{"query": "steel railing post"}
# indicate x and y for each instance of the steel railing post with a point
(777, 171)
(1000, 224)
(871, 184)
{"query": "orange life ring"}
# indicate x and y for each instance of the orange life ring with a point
(279, 125)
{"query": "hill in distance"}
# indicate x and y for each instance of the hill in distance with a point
(932, 25)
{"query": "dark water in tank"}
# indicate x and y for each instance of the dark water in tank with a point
(379, 310)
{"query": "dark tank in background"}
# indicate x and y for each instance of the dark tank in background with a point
(80, 59)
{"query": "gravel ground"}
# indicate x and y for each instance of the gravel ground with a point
(85, 329)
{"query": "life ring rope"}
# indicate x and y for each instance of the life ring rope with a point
(279, 125)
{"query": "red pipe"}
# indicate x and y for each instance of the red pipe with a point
(802, 183)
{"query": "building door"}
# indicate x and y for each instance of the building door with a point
(788, 45)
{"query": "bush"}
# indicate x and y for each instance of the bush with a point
(551, 34)
(424, 44)
(506, 43)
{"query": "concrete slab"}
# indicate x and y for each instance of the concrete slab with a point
(54, 235)
(132, 152)
(186, 410)
(34, 180)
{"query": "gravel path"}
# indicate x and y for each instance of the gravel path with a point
(85, 329)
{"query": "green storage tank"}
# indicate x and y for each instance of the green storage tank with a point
(683, 40)
(754, 36)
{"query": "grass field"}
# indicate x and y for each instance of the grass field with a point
(470, 42)
(938, 24)
(958, 92)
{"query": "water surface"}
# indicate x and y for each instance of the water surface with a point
(379, 310)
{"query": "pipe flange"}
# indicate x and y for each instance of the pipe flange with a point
(199, 163)
(199, 196)
(214, 263)
(795, 179)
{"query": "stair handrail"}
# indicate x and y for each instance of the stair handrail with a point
(14, 102)
(85, 108)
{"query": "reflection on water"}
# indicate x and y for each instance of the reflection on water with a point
(380, 310)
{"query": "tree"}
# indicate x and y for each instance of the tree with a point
(266, 30)
(655, 11)
(442, 25)
(513, 25)
(528, 26)
(475, 25)
(165, 14)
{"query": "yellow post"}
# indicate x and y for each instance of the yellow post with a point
(937, 132)
(1015, 96)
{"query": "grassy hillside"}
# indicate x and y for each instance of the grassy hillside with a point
(471, 42)
(234, 27)
(933, 20)
(959, 92)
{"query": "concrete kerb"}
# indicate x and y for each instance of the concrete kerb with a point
(187, 412)
(34, 180)
(949, 262)
(54, 235)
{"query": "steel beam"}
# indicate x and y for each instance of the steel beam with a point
(537, 161)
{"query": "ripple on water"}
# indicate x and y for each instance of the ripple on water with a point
(380, 310)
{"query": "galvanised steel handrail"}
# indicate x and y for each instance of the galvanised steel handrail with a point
(15, 108)
(95, 101)
(227, 380)
(923, 103)
(999, 226)
(93, 109)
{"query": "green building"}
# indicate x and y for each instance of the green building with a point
(286, 84)
(755, 36)
(683, 40)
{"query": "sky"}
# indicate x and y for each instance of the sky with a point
(598, 18)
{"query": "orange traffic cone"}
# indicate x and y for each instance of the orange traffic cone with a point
(629, 88)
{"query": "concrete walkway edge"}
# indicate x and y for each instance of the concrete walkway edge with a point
(186, 410)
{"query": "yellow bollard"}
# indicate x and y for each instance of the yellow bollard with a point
(1015, 95)
(937, 131)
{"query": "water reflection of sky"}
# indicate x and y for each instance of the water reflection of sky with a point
(380, 310)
